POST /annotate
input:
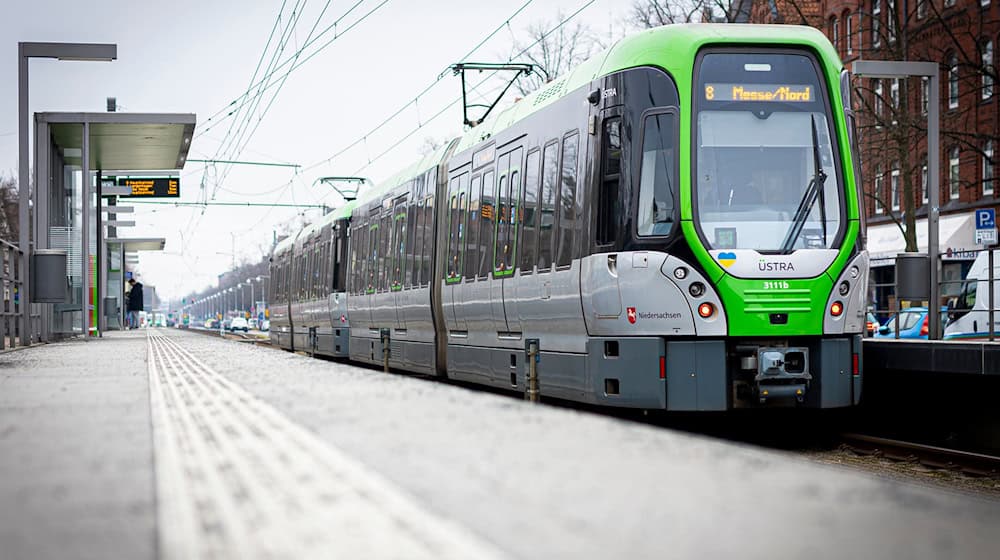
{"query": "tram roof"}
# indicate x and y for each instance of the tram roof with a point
(649, 48)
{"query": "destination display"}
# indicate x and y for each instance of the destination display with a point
(786, 93)
(152, 187)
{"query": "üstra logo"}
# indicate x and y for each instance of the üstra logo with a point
(775, 266)
(727, 259)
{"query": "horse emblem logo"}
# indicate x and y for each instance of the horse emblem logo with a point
(631, 315)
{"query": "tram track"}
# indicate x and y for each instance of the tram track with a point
(968, 462)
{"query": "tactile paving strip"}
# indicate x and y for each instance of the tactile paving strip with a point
(237, 479)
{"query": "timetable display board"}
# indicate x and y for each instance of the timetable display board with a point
(152, 187)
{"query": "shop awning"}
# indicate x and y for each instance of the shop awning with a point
(956, 236)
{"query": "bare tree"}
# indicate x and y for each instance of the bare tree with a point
(654, 13)
(9, 209)
(892, 113)
(553, 49)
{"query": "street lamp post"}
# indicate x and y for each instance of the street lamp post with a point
(264, 293)
(252, 298)
(61, 51)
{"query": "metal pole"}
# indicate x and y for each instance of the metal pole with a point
(101, 280)
(531, 392)
(992, 329)
(252, 302)
(24, 199)
(85, 229)
(933, 177)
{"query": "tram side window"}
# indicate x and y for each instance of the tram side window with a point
(411, 226)
(529, 213)
(488, 215)
(426, 269)
(385, 251)
(500, 209)
(372, 256)
(399, 248)
(418, 240)
(472, 243)
(568, 217)
(547, 204)
(657, 181)
(607, 200)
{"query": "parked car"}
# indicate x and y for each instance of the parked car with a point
(871, 324)
(265, 325)
(252, 323)
(913, 323)
(237, 324)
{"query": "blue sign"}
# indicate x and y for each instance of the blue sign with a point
(986, 218)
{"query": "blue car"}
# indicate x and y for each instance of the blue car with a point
(913, 323)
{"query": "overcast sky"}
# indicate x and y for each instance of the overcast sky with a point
(196, 56)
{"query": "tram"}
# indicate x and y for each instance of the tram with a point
(674, 224)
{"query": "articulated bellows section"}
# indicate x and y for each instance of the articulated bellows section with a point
(237, 479)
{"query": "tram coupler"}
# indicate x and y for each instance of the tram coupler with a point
(385, 349)
(531, 392)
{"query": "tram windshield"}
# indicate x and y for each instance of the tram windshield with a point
(765, 171)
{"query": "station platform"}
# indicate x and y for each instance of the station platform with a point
(169, 444)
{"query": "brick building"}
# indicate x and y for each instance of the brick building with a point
(962, 35)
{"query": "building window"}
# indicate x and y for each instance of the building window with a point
(921, 9)
(878, 103)
(953, 82)
(861, 31)
(988, 168)
(890, 20)
(876, 14)
(879, 207)
(923, 182)
(953, 176)
(894, 97)
(925, 92)
(894, 187)
(848, 34)
(987, 69)
(836, 34)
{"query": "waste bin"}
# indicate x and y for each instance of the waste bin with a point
(49, 283)
(913, 277)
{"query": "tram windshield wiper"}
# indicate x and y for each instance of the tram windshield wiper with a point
(813, 191)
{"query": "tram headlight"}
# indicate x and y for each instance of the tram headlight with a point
(696, 289)
(706, 310)
(680, 273)
(845, 287)
(855, 271)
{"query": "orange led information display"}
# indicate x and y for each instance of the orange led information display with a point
(153, 187)
(784, 93)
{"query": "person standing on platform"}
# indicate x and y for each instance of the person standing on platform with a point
(134, 303)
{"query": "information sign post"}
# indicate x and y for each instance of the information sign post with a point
(986, 235)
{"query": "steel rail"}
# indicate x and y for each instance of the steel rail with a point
(933, 456)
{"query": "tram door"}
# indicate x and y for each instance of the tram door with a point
(503, 287)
